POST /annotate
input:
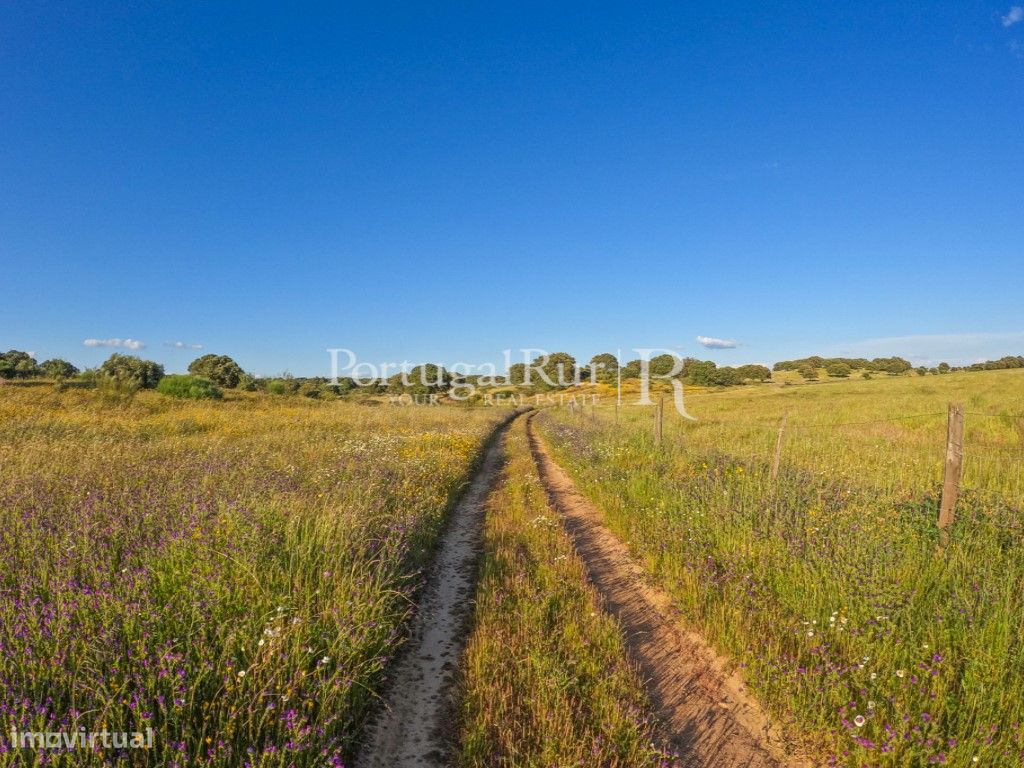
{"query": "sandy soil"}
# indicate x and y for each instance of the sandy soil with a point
(411, 727)
(707, 715)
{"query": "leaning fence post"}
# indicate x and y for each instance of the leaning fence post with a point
(954, 468)
(659, 419)
(778, 448)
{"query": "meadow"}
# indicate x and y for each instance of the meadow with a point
(234, 575)
(828, 586)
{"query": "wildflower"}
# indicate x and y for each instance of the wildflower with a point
(859, 721)
(900, 672)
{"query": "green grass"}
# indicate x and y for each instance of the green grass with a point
(827, 585)
(545, 679)
(235, 575)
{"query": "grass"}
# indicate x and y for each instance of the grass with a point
(545, 680)
(827, 585)
(235, 575)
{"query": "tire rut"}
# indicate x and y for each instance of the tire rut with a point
(707, 716)
(411, 729)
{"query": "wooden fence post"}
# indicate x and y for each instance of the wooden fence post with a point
(954, 468)
(778, 449)
(659, 419)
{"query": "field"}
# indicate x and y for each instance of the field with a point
(233, 575)
(239, 575)
(828, 585)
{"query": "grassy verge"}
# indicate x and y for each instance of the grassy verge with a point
(546, 681)
(828, 590)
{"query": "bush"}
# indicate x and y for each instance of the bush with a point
(248, 383)
(193, 387)
(278, 387)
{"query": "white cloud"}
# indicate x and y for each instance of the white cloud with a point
(126, 343)
(183, 345)
(1013, 16)
(713, 343)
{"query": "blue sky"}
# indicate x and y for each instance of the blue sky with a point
(441, 182)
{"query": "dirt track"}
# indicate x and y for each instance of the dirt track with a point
(410, 729)
(707, 716)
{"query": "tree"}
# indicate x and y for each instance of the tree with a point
(193, 387)
(560, 368)
(517, 373)
(604, 367)
(724, 376)
(58, 369)
(220, 369)
(15, 364)
(893, 365)
(700, 372)
(631, 370)
(838, 370)
(943, 367)
(424, 379)
(754, 372)
(128, 368)
(809, 373)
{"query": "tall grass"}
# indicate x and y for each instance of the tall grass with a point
(234, 575)
(828, 585)
(545, 679)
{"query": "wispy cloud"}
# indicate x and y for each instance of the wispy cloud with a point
(1013, 16)
(931, 349)
(710, 342)
(183, 345)
(126, 343)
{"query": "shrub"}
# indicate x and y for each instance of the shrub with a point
(248, 383)
(193, 387)
(278, 387)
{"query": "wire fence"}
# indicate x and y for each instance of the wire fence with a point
(900, 456)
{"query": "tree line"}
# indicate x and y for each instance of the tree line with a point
(210, 374)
